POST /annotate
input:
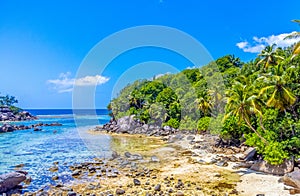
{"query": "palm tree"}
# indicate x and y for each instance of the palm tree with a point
(242, 103)
(204, 105)
(296, 49)
(269, 56)
(235, 61)
(276, 88)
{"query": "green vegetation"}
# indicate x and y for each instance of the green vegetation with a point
(255, 102)
(9, 101)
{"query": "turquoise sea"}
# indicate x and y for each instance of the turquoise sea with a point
(68, 144)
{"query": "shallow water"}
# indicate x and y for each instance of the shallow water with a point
(37, 151)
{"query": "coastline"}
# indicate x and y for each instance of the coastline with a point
(191, 159)
(174, 163)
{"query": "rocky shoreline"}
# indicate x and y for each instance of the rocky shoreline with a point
(289, 169)
(36, 127)
(129, 125)
(171, 168)
(177, 163)
(6, 114)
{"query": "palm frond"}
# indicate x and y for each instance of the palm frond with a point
(293, 35)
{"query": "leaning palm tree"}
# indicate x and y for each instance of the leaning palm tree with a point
(296, 49)
(243, 104)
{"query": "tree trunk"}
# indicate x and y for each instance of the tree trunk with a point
(252, 128)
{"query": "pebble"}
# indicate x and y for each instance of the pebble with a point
(157, 187)
(222, 164)
(71, 193)
(120, 192)
(53, 169)
(55, 178)
(179, 194)
(154, 159)
(136, 182)
(44, 193)
(76, 173)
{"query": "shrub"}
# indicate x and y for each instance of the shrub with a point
(203, 124)
(172, 123)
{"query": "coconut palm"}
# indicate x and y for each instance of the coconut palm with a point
(243, 104)
(276, 89)
(235, 61)
(269, 57)
(204, 105)
(296, 48)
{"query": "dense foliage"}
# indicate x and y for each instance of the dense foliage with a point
(255, 102)
(9, 101)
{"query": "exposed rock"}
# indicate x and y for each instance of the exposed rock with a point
(37, 129)
(76, 173)
(43, 193)
(157, 187)
(136, 182)
(115, 155)
(127, 154)
(249, 154)
(292, 179)
(71, 193)
(179, 194)
(243, 165)
(131, 125)
(222, 164)
(120, 192)
(135, 157)
(262, 166)
(53, 169)
(190, 137)
(10, 180)
(6, 114)
(154, 159)
(175, 138)
(54, 177)
(54, 124)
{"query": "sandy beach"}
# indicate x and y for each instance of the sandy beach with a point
(178, 169)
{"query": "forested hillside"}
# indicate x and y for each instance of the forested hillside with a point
(255, 102)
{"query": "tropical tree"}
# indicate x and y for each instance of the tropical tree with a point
(243, 104)
(204, 105)
(8, 100)
(296, 49)
(276, 89)
(269, 57)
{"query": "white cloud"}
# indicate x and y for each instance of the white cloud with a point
(65, 84)
(160, 75)
(258, 44)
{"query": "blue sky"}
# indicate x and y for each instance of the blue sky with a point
(42, 43)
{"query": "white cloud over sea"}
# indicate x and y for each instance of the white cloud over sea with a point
(65, 83)
(259, 43)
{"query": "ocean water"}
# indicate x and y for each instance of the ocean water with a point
(67, 144)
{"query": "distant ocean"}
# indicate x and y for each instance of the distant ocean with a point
(68, 144)
(67, 111)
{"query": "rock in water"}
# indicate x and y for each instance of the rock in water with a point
(262, 166)
(10, 180)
